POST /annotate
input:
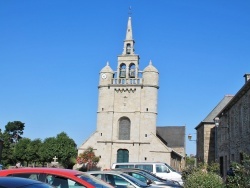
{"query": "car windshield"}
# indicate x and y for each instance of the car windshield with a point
(135, 181)
(98, 183)
(170, 167)
(150, 176)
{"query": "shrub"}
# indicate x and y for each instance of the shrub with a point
(240, 174)
(204, 179)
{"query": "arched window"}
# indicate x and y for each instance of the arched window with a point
(122, 156)
(123, 71)
(124, 129)
(132, 71)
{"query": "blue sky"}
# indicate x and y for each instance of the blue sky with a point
(51, 53)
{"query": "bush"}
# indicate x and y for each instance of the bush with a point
(187, 171)
(203, 179)
(240, 174)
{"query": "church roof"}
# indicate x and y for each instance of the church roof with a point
(150, 68)
(172, 136)
(107, 68)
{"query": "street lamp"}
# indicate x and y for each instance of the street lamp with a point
(190, 138)
(216, 121)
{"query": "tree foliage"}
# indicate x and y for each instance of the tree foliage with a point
(88, 158)
(8, 150)
(240, 175)
(66, 150)
(48, 150)
(16, 148)
(33, 151)
(21, 150)
(204, 179)
(15, 130)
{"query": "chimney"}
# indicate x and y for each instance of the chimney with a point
(247, 77)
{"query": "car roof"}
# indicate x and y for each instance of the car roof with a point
(106, 172)
(60, 171)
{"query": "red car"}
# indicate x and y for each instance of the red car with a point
(57, 177)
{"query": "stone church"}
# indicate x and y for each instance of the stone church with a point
(127, 114)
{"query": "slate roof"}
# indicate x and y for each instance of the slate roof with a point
(172, 136)
(210, 117)
(245, 88)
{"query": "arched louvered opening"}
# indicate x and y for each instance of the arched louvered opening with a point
(132, 70)
(124, 129)
(128, 48)
(122, 71)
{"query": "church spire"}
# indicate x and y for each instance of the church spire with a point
(129, 30)
(129, 42)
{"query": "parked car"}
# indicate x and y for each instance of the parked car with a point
(57, 177)
(15, 182)
(162, 170)
(148, 177)
(120, 180)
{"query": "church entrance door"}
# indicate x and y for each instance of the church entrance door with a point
(122, 156)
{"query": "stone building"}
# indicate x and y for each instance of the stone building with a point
(127, 113)
(206, 134)
(233, 129)
(223, 136)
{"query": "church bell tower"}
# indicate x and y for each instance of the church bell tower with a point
(127, 110)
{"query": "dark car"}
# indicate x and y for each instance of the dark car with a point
(16, 182)
(148, 177)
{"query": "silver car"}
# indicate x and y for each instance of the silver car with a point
(120, 180)
(149, 178)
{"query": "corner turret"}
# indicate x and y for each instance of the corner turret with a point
(150, 75)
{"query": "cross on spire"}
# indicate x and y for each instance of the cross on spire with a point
(130, 11)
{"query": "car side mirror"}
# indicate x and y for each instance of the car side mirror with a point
(149, 182)
(167, 170)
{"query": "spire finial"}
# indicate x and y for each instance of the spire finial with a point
(107, 63)
(129, 11)
(150, 62)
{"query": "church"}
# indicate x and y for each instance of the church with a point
(127, 114)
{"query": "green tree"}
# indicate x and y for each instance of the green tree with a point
(15, 130)
(190, 161)
(66, 150)
(7, 152)
(47, 150)
(10, 136)
(21, 150)
(33, 151)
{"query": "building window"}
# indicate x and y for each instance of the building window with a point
(124, 129)
(122, 156)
